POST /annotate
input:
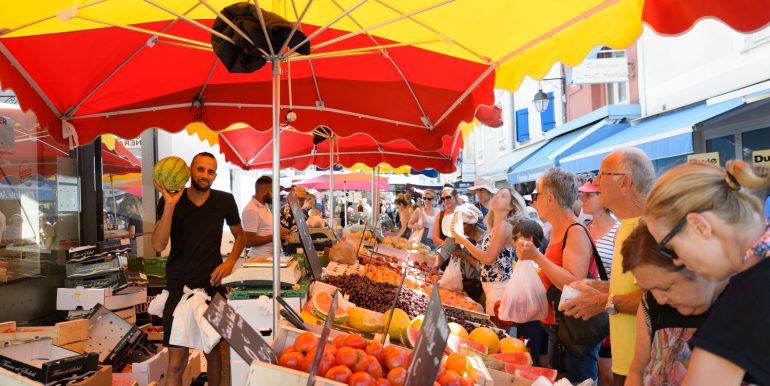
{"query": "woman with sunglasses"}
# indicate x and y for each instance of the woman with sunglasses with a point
(702, 219)
(424, 217)
(670, 312)
(495, 252)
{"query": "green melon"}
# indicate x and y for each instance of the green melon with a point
(322, 302)
(172, 172)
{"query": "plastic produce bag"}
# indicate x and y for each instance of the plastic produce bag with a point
(524, 299)
(158, 304)
(190, 328)
(452, 279)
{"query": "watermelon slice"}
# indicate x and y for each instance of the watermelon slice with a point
(530, 372)
(322, 301)
(519, 358)
(409, 337)
(455, 344)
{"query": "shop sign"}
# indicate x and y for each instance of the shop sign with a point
(244, 340)
(761, 158)
(609, 70)
(468, 172)
(709, 158)
(133, 143)
(463, 185)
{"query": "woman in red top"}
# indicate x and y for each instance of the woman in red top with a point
(562, 264)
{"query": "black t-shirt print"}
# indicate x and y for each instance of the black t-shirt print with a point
(196, 235)
(737, 327)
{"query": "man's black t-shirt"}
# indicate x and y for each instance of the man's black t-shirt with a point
(737, 327)
(196, 235)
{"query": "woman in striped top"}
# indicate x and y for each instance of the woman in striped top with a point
(602, 228)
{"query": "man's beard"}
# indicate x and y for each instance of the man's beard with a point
(267, 199)
(199, 188)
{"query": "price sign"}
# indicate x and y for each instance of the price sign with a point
(430, 346)
(323, 340)
(247, 342)
(304, 235)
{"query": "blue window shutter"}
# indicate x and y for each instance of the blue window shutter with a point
(547, 119)
(522, 125)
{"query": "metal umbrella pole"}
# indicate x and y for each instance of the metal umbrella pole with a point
(275, 60)
(331, 183)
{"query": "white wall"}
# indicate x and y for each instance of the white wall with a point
(709, 60)
(496, 156)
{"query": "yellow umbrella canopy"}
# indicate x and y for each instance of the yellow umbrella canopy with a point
(516, 38)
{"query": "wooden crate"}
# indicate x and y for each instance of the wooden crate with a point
(102, 377)
(69, 334)
(128, 314)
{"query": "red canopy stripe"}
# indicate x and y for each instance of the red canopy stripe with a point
(673, 17)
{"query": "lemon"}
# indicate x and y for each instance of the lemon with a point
(458, 330)
(417, 322)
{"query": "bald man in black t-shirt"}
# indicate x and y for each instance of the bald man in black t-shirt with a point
(192, 219)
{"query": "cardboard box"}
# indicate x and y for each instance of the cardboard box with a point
(63, 333)
(112, 338)
(70, 299)
(150, 370)
(102, 377)
(42, 361)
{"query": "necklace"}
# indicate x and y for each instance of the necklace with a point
(761, 248)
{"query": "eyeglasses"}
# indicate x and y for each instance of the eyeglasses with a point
(446, 198)
(662, 248)
(602, 174)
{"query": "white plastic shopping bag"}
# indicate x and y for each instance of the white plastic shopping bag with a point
(157, 304)
(524, 299)
(452, 279)
(190, 328)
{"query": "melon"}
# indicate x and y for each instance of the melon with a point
(322, 302)
(455, 344)
(519, 358)
(171, 172)
(530, 372)
(409, 337)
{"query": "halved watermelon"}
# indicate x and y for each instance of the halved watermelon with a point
(409, 337)
(322, 301)
(530, 372)
(455, 343)
(519, 358)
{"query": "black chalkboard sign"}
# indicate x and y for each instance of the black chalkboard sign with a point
(304, 235)
(430, 346)
(322, 341)
(247, 342)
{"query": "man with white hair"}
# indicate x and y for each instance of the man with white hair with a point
(625, 178)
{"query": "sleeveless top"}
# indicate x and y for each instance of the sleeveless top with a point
(670, 334)
(502, 268)
(555, 253)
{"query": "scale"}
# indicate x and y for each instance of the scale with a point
(259, 273)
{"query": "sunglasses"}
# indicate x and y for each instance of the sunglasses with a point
(662, 245)
(534, 196)
(429, 198)
(446, 198)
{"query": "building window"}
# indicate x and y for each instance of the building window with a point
(617, 93)
(725, 146)
(480, 139)
(756, 39)
(522, 125)
(502, 139)
(755, 140)
(547, 117)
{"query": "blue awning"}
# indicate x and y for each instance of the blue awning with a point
(549, 155)
(661, 136)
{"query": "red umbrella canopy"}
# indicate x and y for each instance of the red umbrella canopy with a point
(402, 93)
(251, 149)
(672, 17)
(32, 156)
(119, 160)
(342, 181)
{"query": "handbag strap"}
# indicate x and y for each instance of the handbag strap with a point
(597, 258)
